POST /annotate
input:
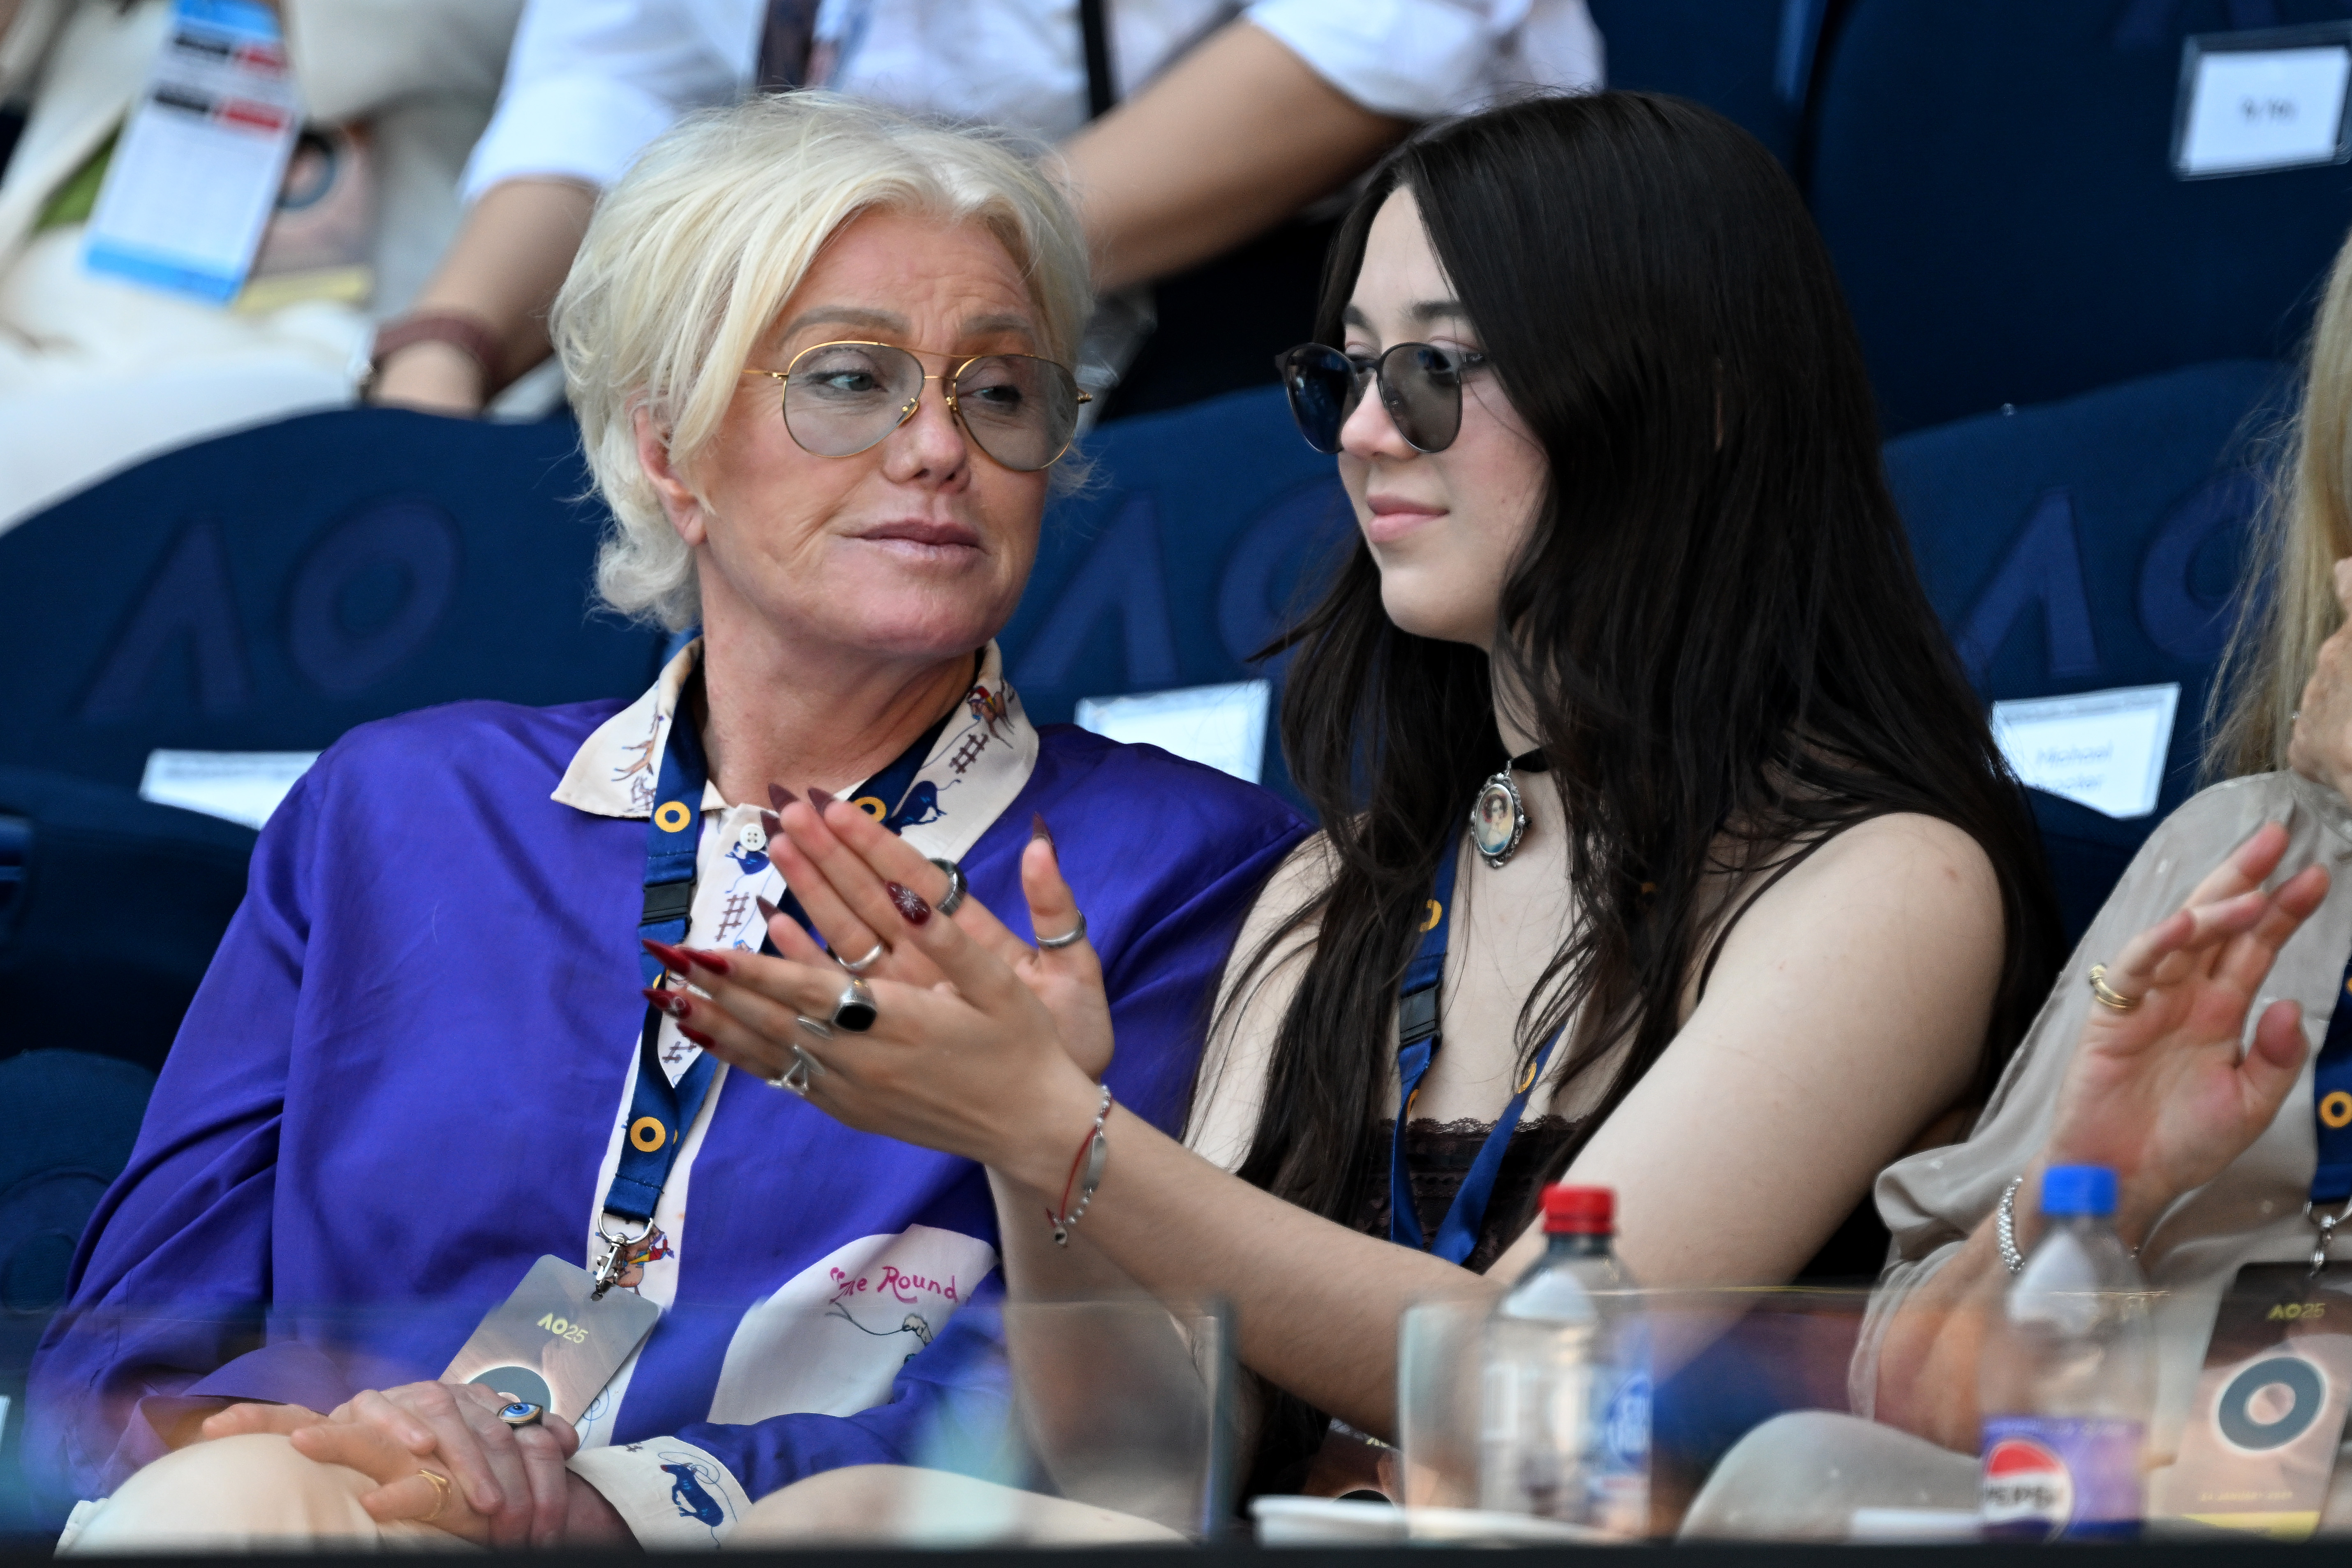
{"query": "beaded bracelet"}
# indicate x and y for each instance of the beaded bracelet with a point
(1093, 1154)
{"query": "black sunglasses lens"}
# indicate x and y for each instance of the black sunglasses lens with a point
(1322, 388)
(1421, 387)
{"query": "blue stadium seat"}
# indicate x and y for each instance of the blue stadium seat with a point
(1994, 180)
(267, 590)
(1190, 548)
(104, 895)
(2090, 544)
(1750, 61)
(75, 1119)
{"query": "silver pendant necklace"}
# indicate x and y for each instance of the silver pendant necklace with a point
(1498, 818)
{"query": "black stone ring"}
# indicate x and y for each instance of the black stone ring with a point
(855, 1010)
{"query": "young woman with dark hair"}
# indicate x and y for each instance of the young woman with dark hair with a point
(1746, 906)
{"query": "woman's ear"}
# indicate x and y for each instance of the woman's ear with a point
(678, 501)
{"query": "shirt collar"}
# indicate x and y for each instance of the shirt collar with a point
(618, 767)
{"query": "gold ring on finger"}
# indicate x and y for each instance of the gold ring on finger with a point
(2108, 996)
(440, 1493)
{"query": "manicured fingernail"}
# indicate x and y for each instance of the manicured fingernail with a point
(1038, 829)
(711, 961)
(779, 797)
(771, 824)
(697, 1035)
(674, 959)
(910, 904)
(768, 911)
(819, 799)
(673, 1003)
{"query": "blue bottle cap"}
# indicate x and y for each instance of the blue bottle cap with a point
(2078, 1190)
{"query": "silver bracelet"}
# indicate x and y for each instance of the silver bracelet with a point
(1086, 1176)
(2004, 1227)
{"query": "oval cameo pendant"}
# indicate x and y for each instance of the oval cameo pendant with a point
(1498, 819)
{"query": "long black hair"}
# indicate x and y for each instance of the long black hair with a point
(1726, 652)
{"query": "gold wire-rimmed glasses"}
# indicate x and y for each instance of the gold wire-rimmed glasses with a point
(843, 398)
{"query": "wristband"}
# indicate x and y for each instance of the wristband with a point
(469, 335)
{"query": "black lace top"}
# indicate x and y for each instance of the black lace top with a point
(1438, 1157)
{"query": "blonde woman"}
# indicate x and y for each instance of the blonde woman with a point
(820, 355)
(2234, 924)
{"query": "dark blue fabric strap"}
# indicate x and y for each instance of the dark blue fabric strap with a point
(2331, 1102)
(1417, 1044)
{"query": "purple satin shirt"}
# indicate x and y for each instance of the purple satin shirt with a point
(393, 1090)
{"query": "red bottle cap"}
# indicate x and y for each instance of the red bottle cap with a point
(1579, 1211)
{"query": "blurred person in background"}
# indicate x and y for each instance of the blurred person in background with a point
(97, 371)
(1757, 906)
(820, 356)
(1193, 132)
(2188, 1066)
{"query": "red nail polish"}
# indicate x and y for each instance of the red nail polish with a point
(674, 1002)
(697, 1035)
(819, 799)
(711, 961)
(910, 904)
(779, 797)
(771, 824)
(1038, 829)
(768, 911)
(674, 959)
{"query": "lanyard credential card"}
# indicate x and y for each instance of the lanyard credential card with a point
(563, 1334)
(2260, 1445)
(1417, 1043)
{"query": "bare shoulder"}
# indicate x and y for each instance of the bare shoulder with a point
(1902, 883)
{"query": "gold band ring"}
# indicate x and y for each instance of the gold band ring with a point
(2108, 996)
(440, 1493)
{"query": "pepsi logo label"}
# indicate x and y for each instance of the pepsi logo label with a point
(2026, 1490)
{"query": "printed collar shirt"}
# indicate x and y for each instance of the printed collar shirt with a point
(590, 82)
(407, 1076)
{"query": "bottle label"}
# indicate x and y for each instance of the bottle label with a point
(2061, 1478)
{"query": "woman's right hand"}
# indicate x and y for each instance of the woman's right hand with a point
(2161, 1094)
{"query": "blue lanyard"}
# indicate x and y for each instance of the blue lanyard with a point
(1417, 1043)
(2331, 1102)
(660, 1111)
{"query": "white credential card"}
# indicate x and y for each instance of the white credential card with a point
(2250, 110)
(2105, 749)
(195, 174)
(240, 786)
(1222, 727)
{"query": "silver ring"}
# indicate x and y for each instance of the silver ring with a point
(854, 1010)
(952, 899)
(1075, 934)
(800, 1076)
(859, 966)
(817, 1027)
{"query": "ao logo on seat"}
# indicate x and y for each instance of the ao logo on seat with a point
(361, 600)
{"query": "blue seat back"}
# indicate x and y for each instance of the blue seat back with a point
(1994, 180)
(1202, 532)
(2095, 543)
(1749, 60)
(267, 590)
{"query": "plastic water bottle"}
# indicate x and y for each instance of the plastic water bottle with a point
(2068, 1376)
(1564, 1419)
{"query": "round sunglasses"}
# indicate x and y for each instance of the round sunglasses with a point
(840, 399)
(1421, 387)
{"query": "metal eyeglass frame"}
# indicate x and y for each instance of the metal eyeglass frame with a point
(783, 379)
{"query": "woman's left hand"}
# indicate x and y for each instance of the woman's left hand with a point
(975, 1062)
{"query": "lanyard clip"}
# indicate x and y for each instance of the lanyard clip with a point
(610, 1267)
(2326, 1224)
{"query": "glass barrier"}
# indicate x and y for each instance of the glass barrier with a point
(1022, 1422)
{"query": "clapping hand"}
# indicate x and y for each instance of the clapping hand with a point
(2158, 1089)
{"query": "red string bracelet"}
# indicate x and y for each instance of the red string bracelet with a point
(1093, 1154)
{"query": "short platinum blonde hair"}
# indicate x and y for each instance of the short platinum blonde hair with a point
(691, 254)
